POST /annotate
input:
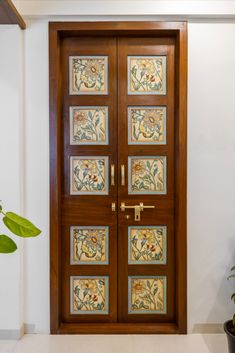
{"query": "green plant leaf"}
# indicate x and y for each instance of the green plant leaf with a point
(234, 320)
(233, 297)
(230, 276)
(233, 268)
(7, 245)
(20, 226)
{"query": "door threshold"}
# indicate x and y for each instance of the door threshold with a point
(118, 328)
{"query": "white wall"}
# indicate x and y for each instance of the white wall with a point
(11, 174)
(211, 172)
(37, 174)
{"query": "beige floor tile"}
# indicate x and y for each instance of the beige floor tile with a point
(7, 346)
(195, 343)
(101, 344)
(43, 344)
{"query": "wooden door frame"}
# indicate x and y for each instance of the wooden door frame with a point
(178, 30)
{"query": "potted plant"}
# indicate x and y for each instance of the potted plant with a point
(17, 225)
(229, 326)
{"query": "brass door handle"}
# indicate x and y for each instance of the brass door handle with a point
(112, 175)
(122, 175)
(137, 208)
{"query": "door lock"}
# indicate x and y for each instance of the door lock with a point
(137, 209)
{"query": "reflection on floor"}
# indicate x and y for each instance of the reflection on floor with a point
(195, 343)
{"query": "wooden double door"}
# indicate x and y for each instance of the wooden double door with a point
(118, 208)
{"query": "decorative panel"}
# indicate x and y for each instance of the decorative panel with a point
(88, 75)
(89, 245)
(147, 245)
(147, 295)
(147, 125)
(89, 295)
(147, 75)
(88, 125)
(89, 175)
(147, 175)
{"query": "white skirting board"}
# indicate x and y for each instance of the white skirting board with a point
(17, 334)
(12, 334)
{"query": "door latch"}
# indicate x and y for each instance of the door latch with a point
(137, 209)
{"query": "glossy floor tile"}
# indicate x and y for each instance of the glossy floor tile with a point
(195, 343)
(7, 346)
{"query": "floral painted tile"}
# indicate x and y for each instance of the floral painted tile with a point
(88, 125)
(147, 125)
(88, 75)
(89, 295)
(147, 245)
(89, 245)
(147, 295)
(147, 175)
(89, 175)
(147, 75)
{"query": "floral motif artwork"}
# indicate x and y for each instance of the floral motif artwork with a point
(89, 295)
(89, 175)
(147, 175)
(147, 125)
(147, 295)
(88, 75)
(88, 125)
(89, 245)
(147, 75)
(147, 245)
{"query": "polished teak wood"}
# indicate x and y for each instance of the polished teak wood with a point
(117, 40)
(10, 15)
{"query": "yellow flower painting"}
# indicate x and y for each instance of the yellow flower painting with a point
(89, 295)
(147, 295)
(147, 75)
(147, 125)
(88, 75)
(88, 125)
(147, 245)
(147, 175)
(89, 245)
(88, 175)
